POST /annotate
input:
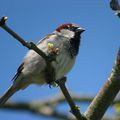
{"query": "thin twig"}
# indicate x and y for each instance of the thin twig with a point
(74, 109)
(29, 45)
(106, 95)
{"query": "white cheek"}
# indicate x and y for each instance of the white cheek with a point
(68, 33)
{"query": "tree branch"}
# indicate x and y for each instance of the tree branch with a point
(106, 95)
(29, 45)
(37, 108)
(48, 107)
(74, 109)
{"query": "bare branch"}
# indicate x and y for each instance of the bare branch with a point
(74, 109)
(21, 40)
(48, 106)
(37, 108)
(106, 95)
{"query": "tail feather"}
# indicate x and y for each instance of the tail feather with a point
(7, 95)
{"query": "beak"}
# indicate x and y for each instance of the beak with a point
(80, 29)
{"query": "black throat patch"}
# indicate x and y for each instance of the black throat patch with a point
(74, 45)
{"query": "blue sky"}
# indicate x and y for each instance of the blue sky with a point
(35, 19)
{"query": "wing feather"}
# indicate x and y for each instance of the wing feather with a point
(19, 70)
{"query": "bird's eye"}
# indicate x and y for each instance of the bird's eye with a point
(74, 28)
(66, 27)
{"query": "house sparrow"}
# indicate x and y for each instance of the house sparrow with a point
(64, 41)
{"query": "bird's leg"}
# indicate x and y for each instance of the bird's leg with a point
(63, 79)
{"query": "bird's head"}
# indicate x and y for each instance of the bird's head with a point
(70, 30)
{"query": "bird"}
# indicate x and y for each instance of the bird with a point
(64, 42)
